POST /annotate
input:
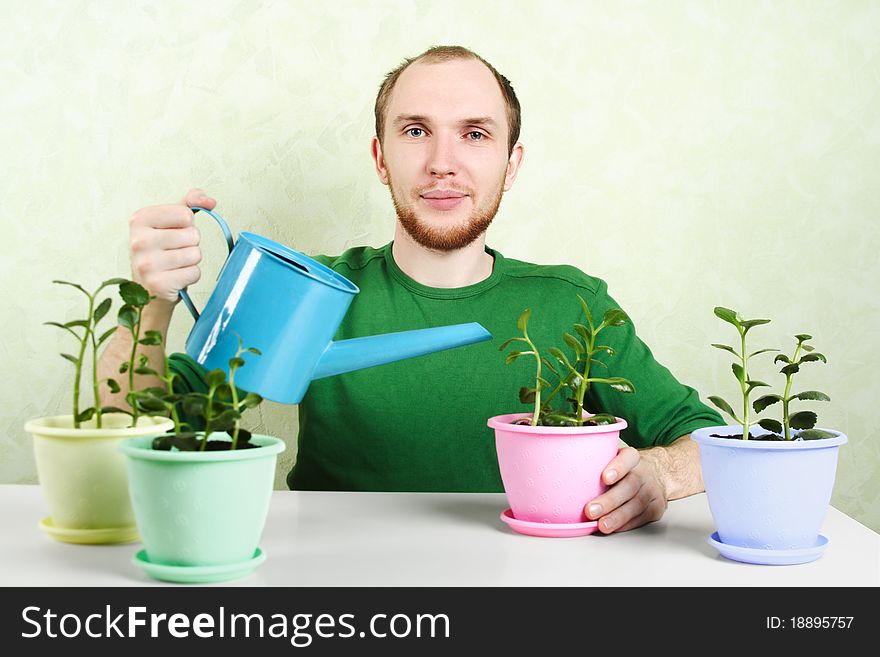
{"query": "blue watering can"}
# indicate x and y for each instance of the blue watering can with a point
(289, 306)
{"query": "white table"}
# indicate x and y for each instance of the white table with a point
(440, 539)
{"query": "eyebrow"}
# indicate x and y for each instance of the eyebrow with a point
(487, 121)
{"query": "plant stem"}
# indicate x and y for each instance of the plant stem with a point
(169, 386)
(742, 385)
(90, 331)
(136, 334)
(585, 380)
(234, 402)
(785, 398)
(537, 412)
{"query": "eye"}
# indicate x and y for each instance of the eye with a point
(475, 135)
(415, 132)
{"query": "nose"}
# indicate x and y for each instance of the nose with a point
(441, 159)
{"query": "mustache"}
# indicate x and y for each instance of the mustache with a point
(458, 189)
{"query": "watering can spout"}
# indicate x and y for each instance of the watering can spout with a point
(359, 353)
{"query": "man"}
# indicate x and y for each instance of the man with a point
(446, 144)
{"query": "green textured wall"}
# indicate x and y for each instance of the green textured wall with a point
(693, 154)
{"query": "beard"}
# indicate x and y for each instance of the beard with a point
(445, 238)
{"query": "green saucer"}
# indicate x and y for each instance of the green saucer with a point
(198, 574)
(104, 535)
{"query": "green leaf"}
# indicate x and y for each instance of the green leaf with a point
(507, 342)
(68, 329)
(102, 309)
(813, 395)
(543, 383)
(523, 321)
(126, 317)
(755, 384)
(790, 369)
(724, 406)
(811, 357)
(586, 310)
(602, 419)
(615, 317)
(606, 349)
(85, 415)
(105, 335)
(123, 368)
(763, 402)
(599, 362)
(729, 316)
(216, 377)
(558, 355)
(251, 400)
(760, 351)
(815, 434)
(152, 338)
(113, 281)
(547, 362)
(72, 359)
(803, 337)
(527, 395)
(725, 347)
(254, 350)
(738, 372)
(145, 371)
(513, 355)
(617, 383)
(574, 343)
(235, 363)
(771, 425)
(781, 358)
(134, 294)
(78, 287)
(802, 420)
(751, 323)
(77, 322)
(114, 387)
(194, 405)
(584, 332)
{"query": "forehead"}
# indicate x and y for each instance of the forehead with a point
(448, 90)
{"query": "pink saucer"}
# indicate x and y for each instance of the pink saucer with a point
(549, 529)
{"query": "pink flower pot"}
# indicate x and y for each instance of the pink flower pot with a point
(551, 473)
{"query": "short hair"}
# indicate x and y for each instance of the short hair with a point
(439, 54)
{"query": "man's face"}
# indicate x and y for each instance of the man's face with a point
(444, 153)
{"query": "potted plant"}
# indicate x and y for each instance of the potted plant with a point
(201, 498)
(768, 481)
(552, 458)
(81, 473)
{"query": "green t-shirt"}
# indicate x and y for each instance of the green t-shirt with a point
(420, 424)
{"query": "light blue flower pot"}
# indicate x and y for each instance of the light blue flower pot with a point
(200, 509)
(767, 495)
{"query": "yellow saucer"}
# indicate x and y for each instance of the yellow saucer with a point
(90, 536)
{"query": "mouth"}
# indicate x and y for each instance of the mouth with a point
(443, 199)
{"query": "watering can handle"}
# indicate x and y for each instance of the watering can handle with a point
(229, 242)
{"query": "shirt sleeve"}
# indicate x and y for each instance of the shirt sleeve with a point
(662, 409)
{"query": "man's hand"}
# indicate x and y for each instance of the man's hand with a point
(642, 482)
(165, 246)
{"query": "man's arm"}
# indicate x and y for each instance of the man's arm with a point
(164, 249)
(643, 481)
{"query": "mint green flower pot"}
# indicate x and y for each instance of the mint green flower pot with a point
(201, 514)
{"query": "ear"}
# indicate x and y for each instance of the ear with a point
(513, 164)
(379, 160)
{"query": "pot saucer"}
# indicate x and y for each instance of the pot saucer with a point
(103, 535)
(769, 557)
(198, 574)
(547, 529)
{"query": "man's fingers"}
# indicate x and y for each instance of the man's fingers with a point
(162, 216)
(626, 459)
(197, 198)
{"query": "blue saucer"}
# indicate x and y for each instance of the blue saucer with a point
(770, 557)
